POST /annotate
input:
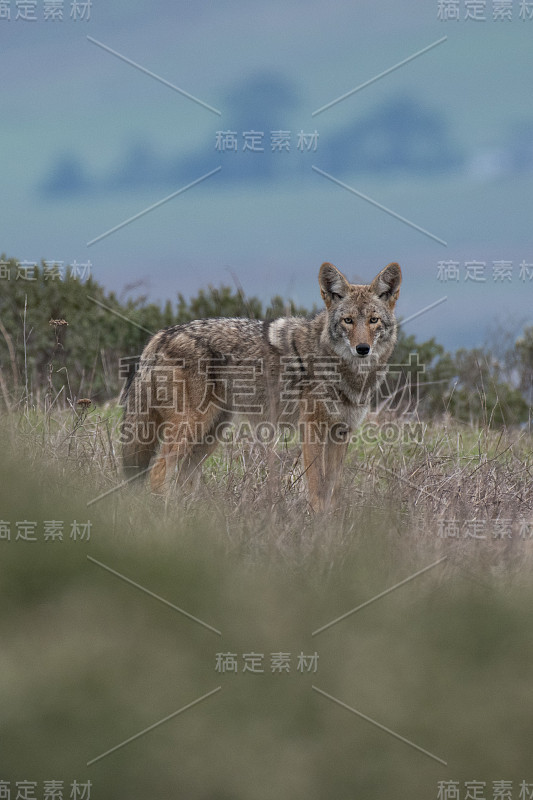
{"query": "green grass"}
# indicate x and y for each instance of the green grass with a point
(89, 660)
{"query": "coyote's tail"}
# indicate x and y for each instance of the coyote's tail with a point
(139, 428)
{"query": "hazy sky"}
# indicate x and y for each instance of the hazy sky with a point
(444, 141)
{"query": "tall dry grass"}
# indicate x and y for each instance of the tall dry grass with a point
(442, 485)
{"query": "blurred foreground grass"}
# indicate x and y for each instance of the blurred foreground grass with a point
(88, 660)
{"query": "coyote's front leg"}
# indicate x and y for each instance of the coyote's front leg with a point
(323, 457)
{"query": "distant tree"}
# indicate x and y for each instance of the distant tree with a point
(476, 392)
(222, 302)
(62, 339)
(279, 307)
(50, 356)
(470, 385)
(227, 302)
(419, 366)
(524, 363)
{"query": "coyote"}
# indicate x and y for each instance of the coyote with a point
(316, 374)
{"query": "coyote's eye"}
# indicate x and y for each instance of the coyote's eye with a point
(348, 320)
(373, 320)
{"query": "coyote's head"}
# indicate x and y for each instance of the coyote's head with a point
(361, 320)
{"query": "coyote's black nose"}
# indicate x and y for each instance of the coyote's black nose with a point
(362, 349)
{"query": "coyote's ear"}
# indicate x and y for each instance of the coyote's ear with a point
(387, 284)
(333, 284)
